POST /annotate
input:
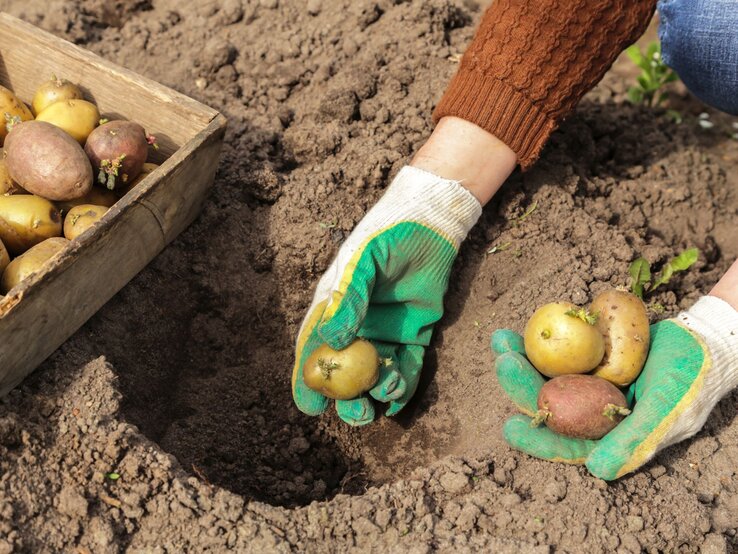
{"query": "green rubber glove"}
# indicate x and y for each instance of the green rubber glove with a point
(387, 285)
(692, 363)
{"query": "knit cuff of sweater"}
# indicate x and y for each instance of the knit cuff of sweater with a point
(500, 110)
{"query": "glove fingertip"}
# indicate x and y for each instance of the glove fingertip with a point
(506, 340)
(391, 386)
(599, 465)
(310, 404)
(515, 427)
(357, 412)
(394, 407)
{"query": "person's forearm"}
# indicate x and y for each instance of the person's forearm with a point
(727, 287)
(531, 62)
(463, 152)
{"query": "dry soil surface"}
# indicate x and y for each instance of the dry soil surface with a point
(180, 385)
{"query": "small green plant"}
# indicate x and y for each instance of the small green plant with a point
(640, 272)
(530, 210)
(654, 75)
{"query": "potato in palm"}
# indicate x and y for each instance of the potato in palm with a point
(343, 374)
(561, 338)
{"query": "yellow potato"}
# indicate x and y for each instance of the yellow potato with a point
(26, 220)
(558, 340)
(7, 185)
(4, 257)
(343, 374)
(30, 262)
(82, 217)
(11, 110)
(623, 321)
(97, 196)
(148, 167)
(77, 117)
(52, 91)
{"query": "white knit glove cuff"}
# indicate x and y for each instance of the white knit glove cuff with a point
(716, 323)
(419, 196)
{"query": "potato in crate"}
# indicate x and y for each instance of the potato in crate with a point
(95, 181)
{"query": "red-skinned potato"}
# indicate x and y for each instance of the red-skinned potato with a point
(118, 151)
(46, 161)
(580, 406)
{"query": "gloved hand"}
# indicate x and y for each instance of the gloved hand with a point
(387, 285)
(692, 364)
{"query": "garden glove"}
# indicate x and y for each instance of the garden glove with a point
(692, 364)
(386, 285)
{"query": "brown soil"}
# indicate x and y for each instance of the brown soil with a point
(181, 383)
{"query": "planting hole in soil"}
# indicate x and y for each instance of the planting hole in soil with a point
(188, 436)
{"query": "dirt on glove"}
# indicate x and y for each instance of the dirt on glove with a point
(166, 423)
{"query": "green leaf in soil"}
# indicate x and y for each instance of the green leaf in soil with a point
(682, 262)
(640, 274)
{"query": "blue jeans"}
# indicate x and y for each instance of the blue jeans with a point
(699, 40)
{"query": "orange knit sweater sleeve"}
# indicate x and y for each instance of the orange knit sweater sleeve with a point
(532, 60)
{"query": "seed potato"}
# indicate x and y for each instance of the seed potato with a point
(623, 322)
(117, 150)
(46, 161)
(342, 374)
(26, 220)
(558, 342)
(76, 117)
(52, 91)
(30, 262)
(581, 406)
(11, 110)
(80, 218)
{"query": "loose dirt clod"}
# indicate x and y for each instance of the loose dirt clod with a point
(198, 349)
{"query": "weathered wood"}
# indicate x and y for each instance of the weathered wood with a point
(42, 312)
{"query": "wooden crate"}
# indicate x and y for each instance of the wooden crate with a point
(45, 310)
